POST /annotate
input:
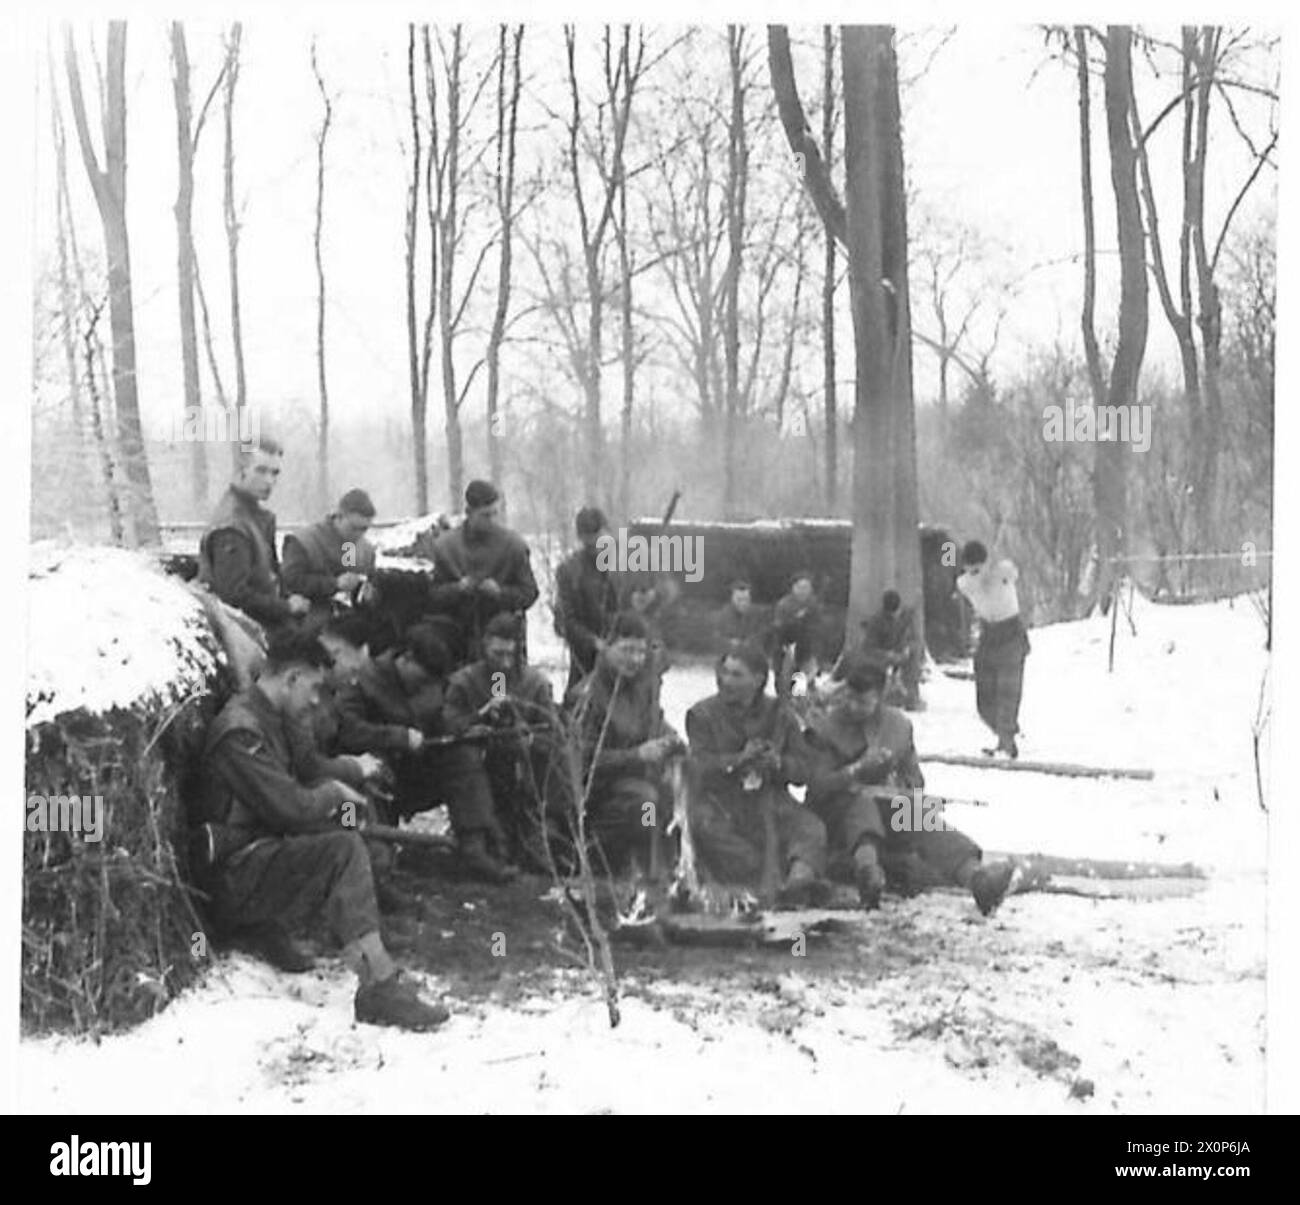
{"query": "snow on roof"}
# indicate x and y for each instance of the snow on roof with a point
(403, 564)
(107, 628)
(403, 534)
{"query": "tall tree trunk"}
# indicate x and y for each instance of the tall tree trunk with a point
(898, 305)
(1210, 318)
(792, 332)
(448, 170)
(94, 350)
(1091, 347)
(629, 357)
(419, 377)
(886, 543)
(109, 186)
(184, 210)
(1110, 486)
(507, 126)
(831, 408)
(323, 429)
(737, 173)
(232, 225)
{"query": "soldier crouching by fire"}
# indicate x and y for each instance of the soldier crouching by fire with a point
(626, 744)
(746, 749)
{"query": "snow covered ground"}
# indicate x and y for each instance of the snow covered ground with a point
(1056, 1004)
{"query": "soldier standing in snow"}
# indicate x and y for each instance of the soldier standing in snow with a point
(1003, 644)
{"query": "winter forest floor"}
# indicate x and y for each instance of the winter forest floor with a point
(1151, 1000)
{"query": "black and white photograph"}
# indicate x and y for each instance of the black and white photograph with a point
(638, 560)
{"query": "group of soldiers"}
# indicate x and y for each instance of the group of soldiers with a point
(338, 734)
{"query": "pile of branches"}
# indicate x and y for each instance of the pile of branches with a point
(109, 928)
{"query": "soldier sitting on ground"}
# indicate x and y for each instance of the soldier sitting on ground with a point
(796, 632)
(890, 637)
(333, 556)
(739, 618)
(318, 752)
(238, 558)
(386, 709)
(858, 743)
(275, 852)
(502, 780)
(745, 750)
(626, 744)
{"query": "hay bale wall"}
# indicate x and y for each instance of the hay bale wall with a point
(124, 674)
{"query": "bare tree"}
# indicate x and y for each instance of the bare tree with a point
(829, 267)
(873, 224)
(419, 330)
(231, 79)
(94, 351)
(507, 109)
(109, 187)
(323, 429)
(735, 197)
(622, 71)
(454, 155)
(187, 145)
(1110, 485)
(1204, 58)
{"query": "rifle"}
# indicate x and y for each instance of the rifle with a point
(672, 506)
(483, 734)
(889, 794)
(390, 834)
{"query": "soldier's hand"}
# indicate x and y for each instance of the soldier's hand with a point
(465, 584)
(873, 761)
(368, 594)
(653, 750)
(490, 587)
(298, 605)
(414, 740)
(370, 765)
(347, 582)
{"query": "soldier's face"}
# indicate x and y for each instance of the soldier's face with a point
(802, 589)
(628, 656)
(349, 659)
(499, 653)
(483, 519)
(591, 539)
(303, 688)
(352, 526)
(258, 473)
(740, 599)
(737, 683)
